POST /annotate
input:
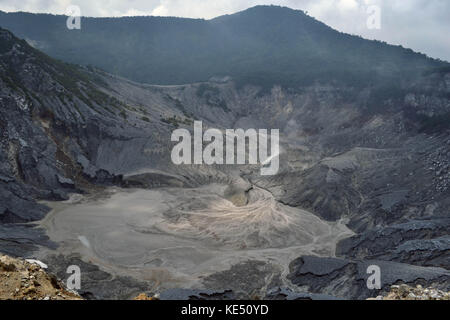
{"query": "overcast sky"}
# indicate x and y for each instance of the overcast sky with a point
(423, 25)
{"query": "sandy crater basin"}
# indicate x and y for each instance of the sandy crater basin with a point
(175, 237)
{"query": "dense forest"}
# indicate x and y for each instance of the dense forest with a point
(264, 45)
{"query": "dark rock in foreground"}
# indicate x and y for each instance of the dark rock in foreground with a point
(348, 279)
(21, 240)
(419, 242)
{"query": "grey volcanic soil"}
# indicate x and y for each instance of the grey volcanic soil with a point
(173, 238)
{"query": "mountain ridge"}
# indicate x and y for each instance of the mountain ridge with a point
(263, 45)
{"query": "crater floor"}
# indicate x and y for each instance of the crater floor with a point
(177, 237)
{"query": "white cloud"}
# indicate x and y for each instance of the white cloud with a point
(347, 4)
(160, 11)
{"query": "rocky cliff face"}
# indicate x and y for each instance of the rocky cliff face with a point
(28, 280)
(374, 164)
